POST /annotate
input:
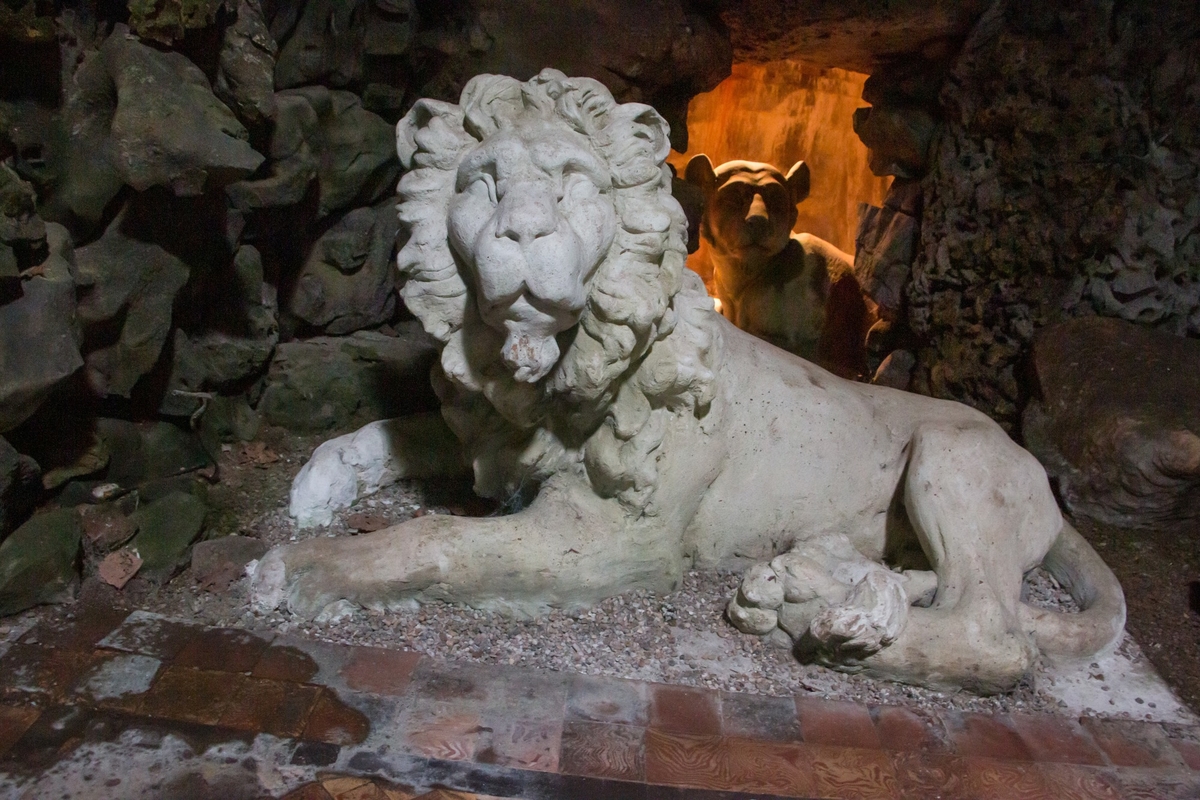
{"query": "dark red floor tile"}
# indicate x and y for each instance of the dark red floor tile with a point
(835, 722)
(282, 662)
(116, 681)
(274, 707)
(1155, 784)
(852, 772)
(1132, 744)
(191, 695)
(986, 736)
(150, 635)
(49, 672)
(374, 669)
(993, 779)
(454, 683)
(1058, 739)
(600, 699)
(80, 632)
(14, 721)
(223, 650)
(682, 709)
(333, 721)
(310, 791)
(1079, 782)
(603, 750)
(921, 775)
(445, 732)
(524, 744)
(912, 730)
(728, 764)
(1189, 750)
(759, 716)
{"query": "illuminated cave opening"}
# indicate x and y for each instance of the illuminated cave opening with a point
(782, 112)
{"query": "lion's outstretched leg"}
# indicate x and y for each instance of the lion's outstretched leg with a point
(378, 454)
(983, 512)
(568, 549)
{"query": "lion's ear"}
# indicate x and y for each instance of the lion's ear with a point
(417, 120)
(798, 181)
(649, 124)
(699, 172)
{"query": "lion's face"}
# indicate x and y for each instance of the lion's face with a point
(533, 217)
(750, 207)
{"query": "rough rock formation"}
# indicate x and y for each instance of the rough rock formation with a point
(861, 35)
(1063, 182)
(333, 383)
(1116, 422)
(348, 281)
(39, 348)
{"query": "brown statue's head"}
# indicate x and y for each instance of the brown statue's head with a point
(749, 207)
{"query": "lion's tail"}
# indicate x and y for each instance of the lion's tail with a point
(1097, 627)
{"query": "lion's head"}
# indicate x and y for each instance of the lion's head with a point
(749, 207)
(546, 252)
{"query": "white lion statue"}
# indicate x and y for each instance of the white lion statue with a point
(884, 531)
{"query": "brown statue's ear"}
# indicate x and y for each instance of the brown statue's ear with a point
(797, 181)
(699, 172)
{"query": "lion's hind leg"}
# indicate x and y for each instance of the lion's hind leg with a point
(982, 510)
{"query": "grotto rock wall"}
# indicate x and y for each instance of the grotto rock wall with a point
(1063, 180)
(197, 223)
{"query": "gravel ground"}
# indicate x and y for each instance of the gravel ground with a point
(677, 638)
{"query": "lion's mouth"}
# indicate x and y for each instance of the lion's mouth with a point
(530, 356)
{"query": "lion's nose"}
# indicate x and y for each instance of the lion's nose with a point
(758, 221)
(758, 210)
(526, 215)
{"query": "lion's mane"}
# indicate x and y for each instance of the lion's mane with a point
(643, 348)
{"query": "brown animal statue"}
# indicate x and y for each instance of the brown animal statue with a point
(791, 289)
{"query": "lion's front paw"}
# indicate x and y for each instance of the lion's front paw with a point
(870, 618)
(754, 609)
(296, 578)
(268, 582)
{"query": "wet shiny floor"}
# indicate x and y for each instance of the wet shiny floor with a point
(112, 705)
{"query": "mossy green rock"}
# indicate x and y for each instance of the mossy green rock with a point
(166, 529)
(38, 562)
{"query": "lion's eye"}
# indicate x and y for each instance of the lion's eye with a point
(577, 186)
(483, 185)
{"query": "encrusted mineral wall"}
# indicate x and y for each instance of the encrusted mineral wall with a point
(1065, 181)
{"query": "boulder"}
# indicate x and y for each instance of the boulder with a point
(22, 231)
(325, 46)
(348, 281)
(885, 244)
(897, 139)
(128, 289)
(143, 117)
(20, 483)
(168, 21)
(143, 452)
(246, 73)
(228, 418)
(217, 563)
(238, 333)
(328, 135)
(38, 563)
(39, 348)
(294, 151)
(166, 529)
(1116, 422)
(327, 383)
(169, 129)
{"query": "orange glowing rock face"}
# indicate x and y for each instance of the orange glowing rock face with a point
(781, 113)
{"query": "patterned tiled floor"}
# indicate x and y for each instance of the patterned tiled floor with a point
(140, 706)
